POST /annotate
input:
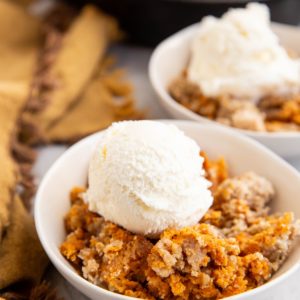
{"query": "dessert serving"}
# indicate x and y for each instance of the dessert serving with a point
(239, 74)
(159, 220)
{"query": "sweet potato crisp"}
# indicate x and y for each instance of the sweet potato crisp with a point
(237, 246)
(272, 113)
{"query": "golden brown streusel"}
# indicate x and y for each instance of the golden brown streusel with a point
(237, 246)
(200, 262)
(271, 113)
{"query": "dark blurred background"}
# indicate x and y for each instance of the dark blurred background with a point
(148, 22)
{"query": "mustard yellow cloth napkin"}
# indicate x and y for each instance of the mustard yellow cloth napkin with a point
(21, 255)
(81, 49)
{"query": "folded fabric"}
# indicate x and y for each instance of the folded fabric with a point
(18, 28)
(107, 98)
(20, 37)
(54, 87)
(11, 103)
(79, 52)
(25, 2)
(21, 255)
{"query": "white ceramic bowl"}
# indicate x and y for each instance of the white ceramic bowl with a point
(171, 57)
(242, 154)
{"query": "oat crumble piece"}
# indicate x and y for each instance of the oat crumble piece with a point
(240, 114)
(189, 95)
(271, 236)
(256, 190)
(238, 201)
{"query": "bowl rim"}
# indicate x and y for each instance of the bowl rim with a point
(166, 99)
(79, 280)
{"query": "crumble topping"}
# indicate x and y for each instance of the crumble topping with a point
(236, 247)
(271, 113)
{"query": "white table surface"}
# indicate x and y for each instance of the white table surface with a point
(135, 60)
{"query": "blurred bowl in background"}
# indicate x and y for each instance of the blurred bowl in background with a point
(171, 57)
(150, 21)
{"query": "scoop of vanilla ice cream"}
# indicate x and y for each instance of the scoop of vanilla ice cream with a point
(240, 56)
(147, 176)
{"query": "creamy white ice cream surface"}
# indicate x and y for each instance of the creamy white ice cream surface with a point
(239, 55)
(147, 176)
